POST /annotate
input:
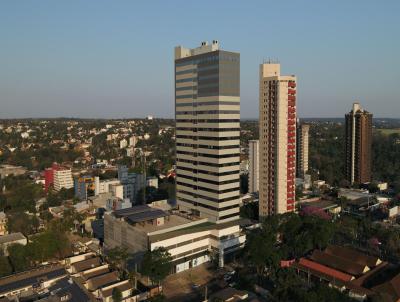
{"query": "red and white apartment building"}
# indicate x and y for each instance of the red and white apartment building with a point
(277, 158)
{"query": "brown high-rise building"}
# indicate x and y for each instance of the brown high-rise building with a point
(358, 145)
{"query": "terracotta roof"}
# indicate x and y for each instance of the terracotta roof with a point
(353, 255)
(391, 288)
(367, 276)
(342, 264)
(102, 280)
(122, 287)
(328, 272)
(358, 289)
(95, 273)
(86, 264)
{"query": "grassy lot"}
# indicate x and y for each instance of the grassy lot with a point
(388, 131)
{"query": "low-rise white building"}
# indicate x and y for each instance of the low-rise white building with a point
(130, 151)
(152, 182)
(103, 186)
(3, 224)
(123, 144)
(6, 170)
(190, 240)
(382, 186)
(114, 204)
(117, 190)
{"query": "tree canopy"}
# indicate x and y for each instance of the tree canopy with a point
(116, 294)
(156, 264)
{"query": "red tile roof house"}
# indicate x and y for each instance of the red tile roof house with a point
(348, 270)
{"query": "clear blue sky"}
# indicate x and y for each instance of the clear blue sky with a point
(115, 58)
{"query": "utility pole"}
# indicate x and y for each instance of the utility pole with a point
(144, 174)
(135, 284)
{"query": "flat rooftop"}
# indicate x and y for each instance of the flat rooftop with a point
(11, 237)
(353, 193)
(141, 213)
(144, 216)
(200, 227)
(170, 221)
(321, 204)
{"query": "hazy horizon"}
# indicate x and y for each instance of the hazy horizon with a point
(171, 118)
(115, 59)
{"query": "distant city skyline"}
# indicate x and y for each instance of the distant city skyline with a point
(114, 59)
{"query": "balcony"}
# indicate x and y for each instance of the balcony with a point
(291, 98)
(291, 91)
(290, 207)
(292, 84)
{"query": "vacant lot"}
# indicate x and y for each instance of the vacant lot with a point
(388, 131)
(190, 285)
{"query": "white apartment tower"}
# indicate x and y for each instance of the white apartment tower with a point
(63, 179)
(277, 141)
(302, 148)
(207, 111)
(253, 166)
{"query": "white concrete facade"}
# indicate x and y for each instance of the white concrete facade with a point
(103, 186)
(253, 165)
(302, 149)
(207, 132)
(63, 179)
(277, 141)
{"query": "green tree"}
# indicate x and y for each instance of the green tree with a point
(118, 257)
(249, 210)
(152, 194)
(19, 257)
(50, 244)
(156, 265)
(262, 251)
(116, 295)
(5, 267)
(22, 222)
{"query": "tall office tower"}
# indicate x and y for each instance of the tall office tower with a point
(277, 141)
(358, 145)
(253, 166)
(302, 140)
(207, 111)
